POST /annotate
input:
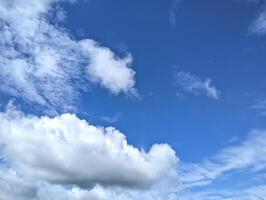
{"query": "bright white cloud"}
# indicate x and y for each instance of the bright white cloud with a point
(67, 158)
(41, 63)
(196, 85)
(67, 150)
(108, 69)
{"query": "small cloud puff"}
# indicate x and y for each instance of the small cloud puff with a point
(196, 85)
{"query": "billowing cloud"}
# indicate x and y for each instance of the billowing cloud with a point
(196, 85)
(66, 150)
(13, 187)
(41, 63)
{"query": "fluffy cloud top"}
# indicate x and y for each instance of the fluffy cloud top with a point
(117, 76)
(67, 150)
(40, 62)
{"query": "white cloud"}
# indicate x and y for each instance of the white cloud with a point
(41, 63)
(172, 11)
(259, 25)
(67, 150)
(13, 187)
(196, 85)
(112, 119)
(247, 156)
(249, 193)
(67, 158)
(109, 70)
(172, 17)
(260, 107)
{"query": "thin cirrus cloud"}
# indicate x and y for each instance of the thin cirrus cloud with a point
(67, 151)
(172, 12)
(246, 156)
(196, 85)
(259, 107)
(252, 193)
(258, 26)
(41, 63)
(111, 119)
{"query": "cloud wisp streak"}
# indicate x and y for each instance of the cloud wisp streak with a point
(260, 107)
(259, 24)
(247, 156)
(196, 85)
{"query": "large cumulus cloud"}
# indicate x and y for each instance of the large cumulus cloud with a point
(69, 152)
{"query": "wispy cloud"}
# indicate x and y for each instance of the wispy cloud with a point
(172, 11)
(40, 62)
(259, 25)
(260, 107)
(251, 193)
(112, 119)
(172, 17)
(196, 85)
(247, 156)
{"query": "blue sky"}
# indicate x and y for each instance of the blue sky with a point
(183, 81)
(210, 40)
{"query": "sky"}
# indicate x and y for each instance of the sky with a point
(132, 100)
